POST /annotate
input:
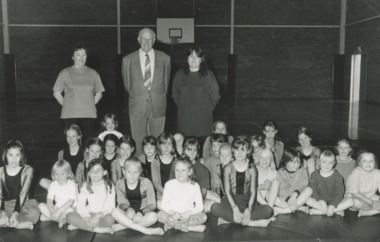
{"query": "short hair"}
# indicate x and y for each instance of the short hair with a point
(242, 141)
(361, 153)
(94, 141)
(62, 165)
(112, 117)
(186, 160)
(192, 141)
(127, 139)
(306, 131)
(77, 129)
(147, 30)
(289, 156)
(260, 140)
(226, 146)
(345, 140)
(150, 139)
(162, 139)
(270, 123)
(14, 144)
(110, 137)
(133, 160)
(219, 138)
(79, 46)
(327, 154)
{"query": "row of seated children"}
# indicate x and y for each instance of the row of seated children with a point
(238, 181)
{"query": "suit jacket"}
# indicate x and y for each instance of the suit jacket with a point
(134, 84)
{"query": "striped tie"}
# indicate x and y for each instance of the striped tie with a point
(147, 74)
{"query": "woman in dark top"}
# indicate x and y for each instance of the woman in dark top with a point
(240, 185)
(16, 210)
(196, 93)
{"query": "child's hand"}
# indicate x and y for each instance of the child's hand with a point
(238, 216)
(56, 215)
(13, 221)
(246, 216)
(123, 206)
(185, 215)
(137, 218)
(94, 221)
(324, 206)
(176, 216)
(330, 210)
(266, 185)
(4, 221)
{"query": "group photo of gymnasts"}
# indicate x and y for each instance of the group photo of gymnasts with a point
(264, 127)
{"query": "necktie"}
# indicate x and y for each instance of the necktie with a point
(147, 73)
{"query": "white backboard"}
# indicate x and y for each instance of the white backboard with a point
(182, 29)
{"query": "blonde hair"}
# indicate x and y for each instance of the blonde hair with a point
(226, 146)
(62, 165)
(272, 164)
(133, 161)
(327, 154)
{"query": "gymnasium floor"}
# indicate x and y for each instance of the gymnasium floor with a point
(36, 123)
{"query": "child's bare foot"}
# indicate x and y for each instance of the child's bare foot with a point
(43, 218)
(272, 218)
(71, 227)
(103, 230)
(314, 211)
(155, 231)
(222, 221)
(197, 228)
(25, 225)
(368, 213)
(259, 223)
(61, 223)
(117, 227)
(304, 209)
(278, 210)
(340, 213)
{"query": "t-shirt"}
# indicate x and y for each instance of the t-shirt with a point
(364, 182)
(62, 193)
(79, 86)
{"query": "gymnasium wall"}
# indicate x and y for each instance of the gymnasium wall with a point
(365, 34)
(2, 88)
(275, 57)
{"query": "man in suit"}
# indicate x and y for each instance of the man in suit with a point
(146, 75)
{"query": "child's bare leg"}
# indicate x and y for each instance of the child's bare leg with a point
(316, 206)
(158, 204)
(259, 223)
(346, 203)
(273, 192)
(45, 212)
(302, 198)
(207, 205)
(62, 219)
(25, 225)
(45, 183)
(123, 220)
(149, 219)
(197, 228)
